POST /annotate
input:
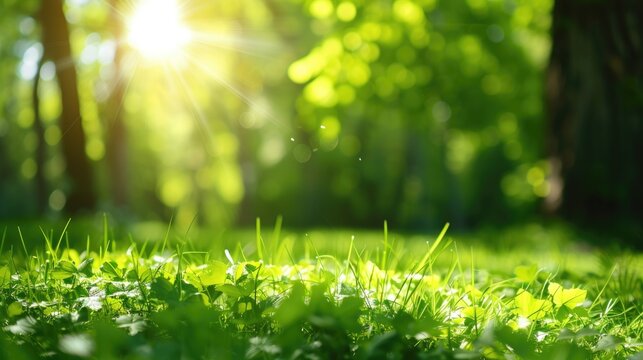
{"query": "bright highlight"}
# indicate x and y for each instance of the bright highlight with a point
(155, 29)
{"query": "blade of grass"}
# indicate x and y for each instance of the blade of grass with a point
(276, 238)
(62, 234)
(24, 246)
(259, 240)
(49, 248)
(167, 234)
(4, 235)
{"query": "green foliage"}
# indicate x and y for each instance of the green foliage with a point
(438, 105)
(530, 307)
(144, 304)
(414, 111)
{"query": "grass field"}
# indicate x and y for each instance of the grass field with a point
(154, 292)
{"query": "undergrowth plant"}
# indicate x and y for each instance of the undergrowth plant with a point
(168, 299)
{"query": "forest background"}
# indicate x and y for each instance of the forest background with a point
(329, 113)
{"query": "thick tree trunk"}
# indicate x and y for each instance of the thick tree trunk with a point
(55, 39)
(595, 108)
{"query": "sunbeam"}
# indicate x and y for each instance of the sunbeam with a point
(202, 122)
(236, 43)
(156, 29)
(228, 85)
(170, 39)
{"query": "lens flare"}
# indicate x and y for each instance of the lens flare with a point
(155, 29)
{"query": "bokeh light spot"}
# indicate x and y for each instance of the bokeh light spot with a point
(57, 200)
(28, 168)
(346, 11)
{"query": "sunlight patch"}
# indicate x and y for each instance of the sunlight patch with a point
(156, 30)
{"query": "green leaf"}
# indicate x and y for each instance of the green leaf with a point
(528, 306)
(231, 291)
(60, 275)
(85, 267)
(163, 289)
(567, 297)
(473, 312)
(213, 274)
(14, 309)
(67, 266)
(111, 269)
(64, 270)
(5, 276)
(251, 267)
(348, 311)
(565, 351)
(293, 309)
(526, 273)
(518, 341)
(144, 274)
(581, 312)
(402, 322)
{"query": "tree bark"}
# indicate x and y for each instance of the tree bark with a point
(57, 48)
(595, 107)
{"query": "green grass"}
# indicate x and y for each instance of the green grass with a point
(163, 293)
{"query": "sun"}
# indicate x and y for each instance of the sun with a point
(156, 30)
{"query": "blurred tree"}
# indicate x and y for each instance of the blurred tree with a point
(15, 192)
(41, 147)
(57, 48)
(595, 104)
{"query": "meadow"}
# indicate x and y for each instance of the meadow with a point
(154, 292)
(194, 123)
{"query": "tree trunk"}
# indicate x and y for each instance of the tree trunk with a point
(55, 40)
(595, 109)
(41, 148)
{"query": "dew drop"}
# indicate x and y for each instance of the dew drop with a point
(292, 139)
